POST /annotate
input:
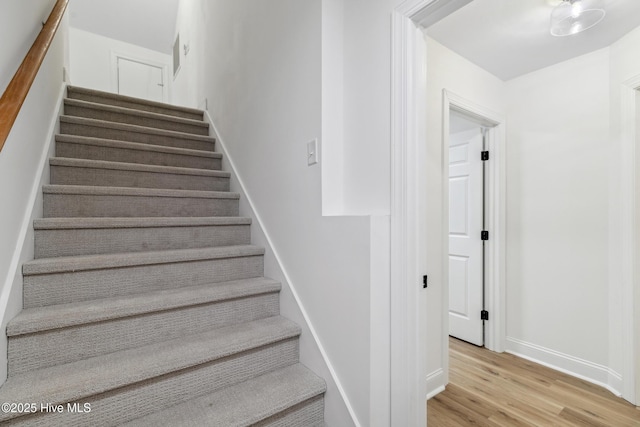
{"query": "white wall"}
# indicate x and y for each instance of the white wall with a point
(26, 150)
(367, 106)
(332, 141)
(264, 75)
(189, 24)
(446, 70)
(557, 214)
(92, 62)
(20, 22)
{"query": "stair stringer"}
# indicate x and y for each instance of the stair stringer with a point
(11, 291)
(335, 408)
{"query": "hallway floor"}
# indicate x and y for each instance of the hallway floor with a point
(492, 389)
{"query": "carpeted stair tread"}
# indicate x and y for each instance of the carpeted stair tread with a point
(135, 112)
(120, 260)
(112, 113)
(139, 146)
(150, 222)
(79, 380)
(109, 98)
(57, 237)
(105, 173)
(41, 319)
(101, 148)
(245, 404)
(128, 191)
(148, 132)
(121, 166)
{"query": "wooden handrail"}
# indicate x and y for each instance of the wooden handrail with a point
(15, 94)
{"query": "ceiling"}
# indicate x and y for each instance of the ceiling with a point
(510, 38)
(146, 23)
(459, 123)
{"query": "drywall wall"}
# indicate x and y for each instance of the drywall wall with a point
(20, 22)
(367, 106)
(332, 141)
(92, 60)
(23, 158)
(188, 79)
(262, 63)
(557, 215)
(446, 70)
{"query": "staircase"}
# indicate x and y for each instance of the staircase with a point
(146, 300)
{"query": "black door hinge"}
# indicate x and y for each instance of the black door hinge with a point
(484, 235)
(484, 155)
(484, 315)
(424, 281)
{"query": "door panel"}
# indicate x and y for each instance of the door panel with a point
(459, 206)
(459, 282)
(140, 80)
(465, 244)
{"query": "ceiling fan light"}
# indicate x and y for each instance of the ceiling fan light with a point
(574, 16)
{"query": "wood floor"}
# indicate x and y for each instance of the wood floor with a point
(492, 389)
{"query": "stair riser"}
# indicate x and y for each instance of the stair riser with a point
(59, 346)
(55, 243)
(130, 119)
(141, 399)
(126, 135)
(132, 105)
(79, 205)
(60, 288)
(111, 154)
(65, 175)
(306, 414)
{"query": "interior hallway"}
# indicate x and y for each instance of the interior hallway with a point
(493, 389)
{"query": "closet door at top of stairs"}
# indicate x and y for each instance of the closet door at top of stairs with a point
(140, 80)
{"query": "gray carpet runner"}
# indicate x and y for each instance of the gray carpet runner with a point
(146, 304)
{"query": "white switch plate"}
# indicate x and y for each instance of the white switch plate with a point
(312, 152)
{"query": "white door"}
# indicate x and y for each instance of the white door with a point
(465, 242)
(140, 80)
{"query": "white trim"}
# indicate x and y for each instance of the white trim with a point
(257, 221)
(628, 236)
(435, 383)
(24, 245)
(574, 366)
(437, 10)
(164, 66)
(408, 302)
(495, 295)
(408, 359)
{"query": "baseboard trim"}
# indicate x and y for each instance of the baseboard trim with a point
(270, 249)
(435, 383)
(592, 372)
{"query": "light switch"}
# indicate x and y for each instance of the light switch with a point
(312, 152)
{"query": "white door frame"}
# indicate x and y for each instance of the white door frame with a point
(408, 299)
(494, 268)
(630, 300)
